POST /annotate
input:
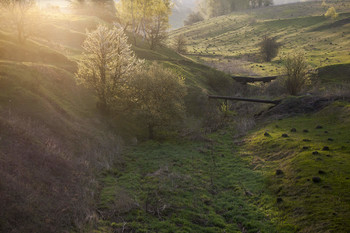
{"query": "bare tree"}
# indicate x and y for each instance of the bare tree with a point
(20, 12)
(297, 71)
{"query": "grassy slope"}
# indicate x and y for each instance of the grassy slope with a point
(196, 75)
(314, 207)
(198, 187)
(296, 26)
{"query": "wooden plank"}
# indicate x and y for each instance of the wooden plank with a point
(244, 79)
(245, 99)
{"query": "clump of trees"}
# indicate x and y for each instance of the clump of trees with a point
(214, 8)
(147, 18)
(158, 97)
(22, 14)
(331, 13)
(297, 71)
(104, 9)
(269, 48)
(151, 95)
(193, 17)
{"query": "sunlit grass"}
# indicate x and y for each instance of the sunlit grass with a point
(323, 206)
(297, 27)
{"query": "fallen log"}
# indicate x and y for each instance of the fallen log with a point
(244, 99)
(245, 80)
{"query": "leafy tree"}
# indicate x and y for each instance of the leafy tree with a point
(155, 22)
(331, 13)
(269, 48)
(107, 64)
(180, 44)
(130, 14)
(21, 13)
(297, 72)
(148, 18)
(159, 97)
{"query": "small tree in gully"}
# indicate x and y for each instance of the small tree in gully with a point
(180, 43)
(297, 71)
(107, 64)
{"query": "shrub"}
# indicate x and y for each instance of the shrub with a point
(331, 13)
(297, 72)
(269, 48)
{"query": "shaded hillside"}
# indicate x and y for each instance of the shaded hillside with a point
(51, 139)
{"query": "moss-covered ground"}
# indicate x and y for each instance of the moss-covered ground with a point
(188, 187)
(319, 148)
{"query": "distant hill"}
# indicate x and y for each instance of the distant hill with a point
(231, 42)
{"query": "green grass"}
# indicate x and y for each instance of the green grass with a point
(236, 37)
(335, 73)
(195, 74)
(201, 185)
(314, 207)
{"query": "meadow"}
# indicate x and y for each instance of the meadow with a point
(233, 40)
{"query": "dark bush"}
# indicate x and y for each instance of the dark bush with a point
(269, 48)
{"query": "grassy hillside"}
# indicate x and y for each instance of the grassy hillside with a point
(51, 139)
(230, 42)
(313, 182)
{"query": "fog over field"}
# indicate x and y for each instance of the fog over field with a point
(181, 9)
